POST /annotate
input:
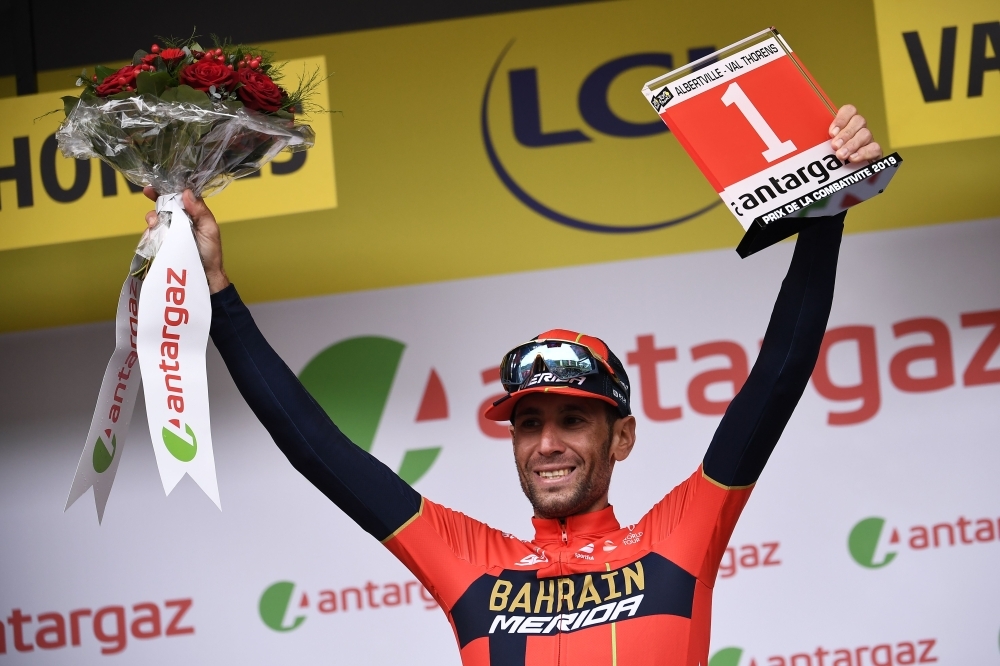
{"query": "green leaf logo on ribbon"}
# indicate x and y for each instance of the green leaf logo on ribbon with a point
(863, 542)
(274, 604)
(102, 457)
(183, 449)
(351, 381)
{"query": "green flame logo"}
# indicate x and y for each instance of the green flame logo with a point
(103, 457)
(729, 656)
(274, 604)
(351, 381)
(180, 448)
(863, 542)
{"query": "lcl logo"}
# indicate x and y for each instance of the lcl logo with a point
(592, 102)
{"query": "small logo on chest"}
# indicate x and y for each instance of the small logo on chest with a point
(632, 538)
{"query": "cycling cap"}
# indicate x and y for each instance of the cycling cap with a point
(563, 362)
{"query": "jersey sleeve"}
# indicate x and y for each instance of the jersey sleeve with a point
(370, 493)
(693, 523)
(757, 415)
(444, 549)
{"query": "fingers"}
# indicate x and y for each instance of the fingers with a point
(844, 143)
(845, 113)
(196, 208)
(851, 137)
(851, 148)
(872, 151)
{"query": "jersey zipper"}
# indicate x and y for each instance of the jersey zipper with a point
(562, 637)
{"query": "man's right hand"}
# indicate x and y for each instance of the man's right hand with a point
(206, 235)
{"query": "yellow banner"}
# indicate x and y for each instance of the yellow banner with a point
(46, 198)
(506, 143)
(940, 69)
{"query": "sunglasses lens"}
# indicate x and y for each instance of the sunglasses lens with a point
(565, 360)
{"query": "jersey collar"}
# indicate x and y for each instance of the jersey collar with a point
(580, 526)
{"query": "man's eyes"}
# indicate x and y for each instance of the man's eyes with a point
(566, 421)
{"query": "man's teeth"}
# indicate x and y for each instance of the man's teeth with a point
(554, 474)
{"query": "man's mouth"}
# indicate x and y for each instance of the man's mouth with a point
(554, 474)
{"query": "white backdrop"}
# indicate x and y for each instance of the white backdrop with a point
(791, 592)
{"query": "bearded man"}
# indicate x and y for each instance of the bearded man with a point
(585, 591)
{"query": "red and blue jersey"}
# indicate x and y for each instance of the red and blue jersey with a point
(586, 590)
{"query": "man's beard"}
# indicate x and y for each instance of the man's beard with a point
(589, 488)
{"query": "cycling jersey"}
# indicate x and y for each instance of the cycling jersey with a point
(586, 590)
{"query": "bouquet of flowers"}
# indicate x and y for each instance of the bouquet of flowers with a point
(182, 116)
(178, 117)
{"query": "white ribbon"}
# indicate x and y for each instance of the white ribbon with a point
(175, 313)
(115, 402)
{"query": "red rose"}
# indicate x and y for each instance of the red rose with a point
(119, 81)
(171, 55)
(205, 73)
(258, 91)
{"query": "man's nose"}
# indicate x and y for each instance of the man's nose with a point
(551, 442)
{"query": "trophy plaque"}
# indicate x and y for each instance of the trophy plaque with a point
(756, 123)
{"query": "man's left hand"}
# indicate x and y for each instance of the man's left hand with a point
(851, 138)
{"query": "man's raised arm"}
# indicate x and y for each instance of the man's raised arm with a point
(757, 416)
(365, 489)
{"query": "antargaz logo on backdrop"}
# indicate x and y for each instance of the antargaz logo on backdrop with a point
(283, 606)
(864, 540)
(274, 604)
(884, 654)
(873, 546)
(351, 381)
(608, 126)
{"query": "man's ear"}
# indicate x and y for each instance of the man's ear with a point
(623, 438)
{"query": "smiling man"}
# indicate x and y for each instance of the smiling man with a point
(585, 590)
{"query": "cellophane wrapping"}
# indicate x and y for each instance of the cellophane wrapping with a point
(173, 146)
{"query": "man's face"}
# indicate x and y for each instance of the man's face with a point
(565, 450)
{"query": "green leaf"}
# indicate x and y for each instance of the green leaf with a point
(281, 113)
(188, 95)
(139, 55)
(178, 447)
(69, 103)
(152, 83)
(102, 457)
(729, 656)
(103, 72)
(416, 462)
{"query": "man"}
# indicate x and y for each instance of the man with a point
(585, 590)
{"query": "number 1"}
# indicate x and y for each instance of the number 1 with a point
(775, 147)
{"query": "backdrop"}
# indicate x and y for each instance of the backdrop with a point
(875, 523)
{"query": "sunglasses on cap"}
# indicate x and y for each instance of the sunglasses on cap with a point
(562, 358)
